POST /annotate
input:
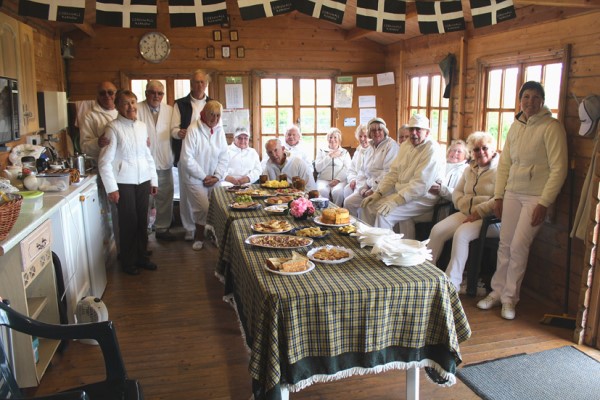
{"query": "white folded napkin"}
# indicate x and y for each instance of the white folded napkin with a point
(368, 235)
(393, 250)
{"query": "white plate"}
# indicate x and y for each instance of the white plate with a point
(277, 208)
(253, 227)
(256, 206)
(311, 266)
(318, 222)
(410, 261)
(311, 253)
(279, 237)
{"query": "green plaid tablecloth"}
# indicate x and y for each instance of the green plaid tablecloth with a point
(340, 316)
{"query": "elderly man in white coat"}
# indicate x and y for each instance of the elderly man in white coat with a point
(244, 163)
(203, 163)
(103, 111)
(157, 117)
(404, 191)
(281, 162)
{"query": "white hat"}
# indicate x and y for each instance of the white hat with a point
(241, 131)
(376, 120)
(589, 114)
(418, 121)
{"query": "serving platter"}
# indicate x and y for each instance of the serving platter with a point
(272, 226)
(275, 241)
(311, 266)
(333, 254)
(255, 193)
(325, 232)
(319, 222)
(236, 188)
(277, 209)
(290, 191)
(279, 199)
(244, 206)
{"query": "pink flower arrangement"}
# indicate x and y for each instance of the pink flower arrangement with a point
(301, 208)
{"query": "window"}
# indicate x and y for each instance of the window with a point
(304, 101)
(502, 84)
(426, 97)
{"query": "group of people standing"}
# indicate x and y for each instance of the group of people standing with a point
(386, 183)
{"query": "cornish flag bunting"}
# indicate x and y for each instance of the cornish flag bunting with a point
(490, 12)
(381, 15)
(67, 11)
(253, 9)
(440, 17)
(329, 10)
(185, 13)
(126, 13)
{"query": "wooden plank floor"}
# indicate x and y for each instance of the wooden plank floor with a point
(182, 341)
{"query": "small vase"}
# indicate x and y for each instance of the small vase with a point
(303, 217)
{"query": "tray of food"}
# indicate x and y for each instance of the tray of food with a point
(278, 241)
(330, 254)
(237, 188)
(346, 230)
(277, 209)
(272, 226)
(254, 193)
(290, 191)
(295, 265)
(335, 217)
(275, 184)
(314, 232)
(279, 200)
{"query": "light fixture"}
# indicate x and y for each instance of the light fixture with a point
(67, 48)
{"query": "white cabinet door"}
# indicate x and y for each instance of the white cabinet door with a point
(92, 220)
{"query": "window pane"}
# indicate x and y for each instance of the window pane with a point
(267, 92)
(434, 121)
(182, 88)
(552, 84)
(507, 120)
(307, 92)
(285, 92)
(444, 126)
(494, 86)
(423, 85)
(414, 92)
(324, 92)
(435, 90)
(308, 142)
(307, 120)
(138, 86)
(533, 73)
(268, 121)
(323, 119)
(286, 118)
(491, 122)
(322, 142)
(510, 88)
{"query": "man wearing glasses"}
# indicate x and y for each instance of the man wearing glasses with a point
(103, 111)
(157, 117)
(403, 193)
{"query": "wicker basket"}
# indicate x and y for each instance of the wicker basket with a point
(9, 212)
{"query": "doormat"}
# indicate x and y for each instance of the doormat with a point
(563, 373)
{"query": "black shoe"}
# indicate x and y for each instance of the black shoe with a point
(166, 235)
(149, 265)
(131, 270)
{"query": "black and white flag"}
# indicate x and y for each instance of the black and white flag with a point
(126, 13)
(381, 15)
(490, 12)
(440, 16)
(185, 13)
(53, 10)
(328, 10)
(253, 9)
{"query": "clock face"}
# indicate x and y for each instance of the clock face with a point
(154, 47)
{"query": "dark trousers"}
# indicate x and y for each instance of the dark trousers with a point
(133, 223)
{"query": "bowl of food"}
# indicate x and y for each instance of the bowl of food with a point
(320, 202)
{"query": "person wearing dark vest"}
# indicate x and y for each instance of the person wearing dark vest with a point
(186, 110)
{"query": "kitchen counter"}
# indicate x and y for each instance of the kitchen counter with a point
(28, 222)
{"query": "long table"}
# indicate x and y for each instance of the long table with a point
(340, 320)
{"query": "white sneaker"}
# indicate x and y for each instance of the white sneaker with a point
(197, 245)
(508, 311)
(488, 302)
(189, 236)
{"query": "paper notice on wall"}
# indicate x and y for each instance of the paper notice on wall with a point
(234, 95)
(387, 78)
(367, 114)
(364, 81)
(233, 119)
(343, 95)
(366, 101)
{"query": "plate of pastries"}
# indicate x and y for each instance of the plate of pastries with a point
(335, 217)
(279, 200)
(295, 265)
(254, 193)
(315, 232)
(279, 241)
(272, 226)
(330, 254)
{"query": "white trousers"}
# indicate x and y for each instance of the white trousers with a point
(337, 192)
(352, 202)
(402, 215)
(199, 197)
(453, 227)
(163, 201)
(516, 236)
(185, 205)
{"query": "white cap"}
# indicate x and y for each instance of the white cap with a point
(589, 114)
(241, 131)
(418, 121)
(378, 120)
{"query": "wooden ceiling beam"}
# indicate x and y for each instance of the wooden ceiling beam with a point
(560, 3)
(357, 33)
(86, 28)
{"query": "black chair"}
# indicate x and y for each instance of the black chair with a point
(441, 210)
(115, 386)
(477, 249)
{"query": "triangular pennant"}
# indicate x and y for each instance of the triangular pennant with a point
(253, 9)
(127, 13)
(440, 17)
(328, 10)
(186, 13)
(381, 15)
(72, 11)
(490, 12)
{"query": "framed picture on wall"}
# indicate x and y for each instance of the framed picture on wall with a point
(217, 36)
(210, 52)
(241, 52)
(233, 36)
(225, 52)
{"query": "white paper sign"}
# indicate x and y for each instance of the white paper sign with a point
(364, 81)
(366, 101)
(387, 78)
(366, 114)
(349, 121)
(343, 95)
(234, 95)
(233, 119)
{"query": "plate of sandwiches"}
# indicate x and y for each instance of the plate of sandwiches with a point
(254, 193)
(315, 232)
(295, 265)
(272, 226)
(335, 217)
(330, 254)
(252, 205)
(277, 208)
(278, 241)
(279, 200)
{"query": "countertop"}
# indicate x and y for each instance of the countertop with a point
(28, 222)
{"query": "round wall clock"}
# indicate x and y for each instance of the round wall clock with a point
(154, 47)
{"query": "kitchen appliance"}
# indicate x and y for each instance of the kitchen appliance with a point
(90, 309)
(78, 162)
(9, 110)
(92, 222)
